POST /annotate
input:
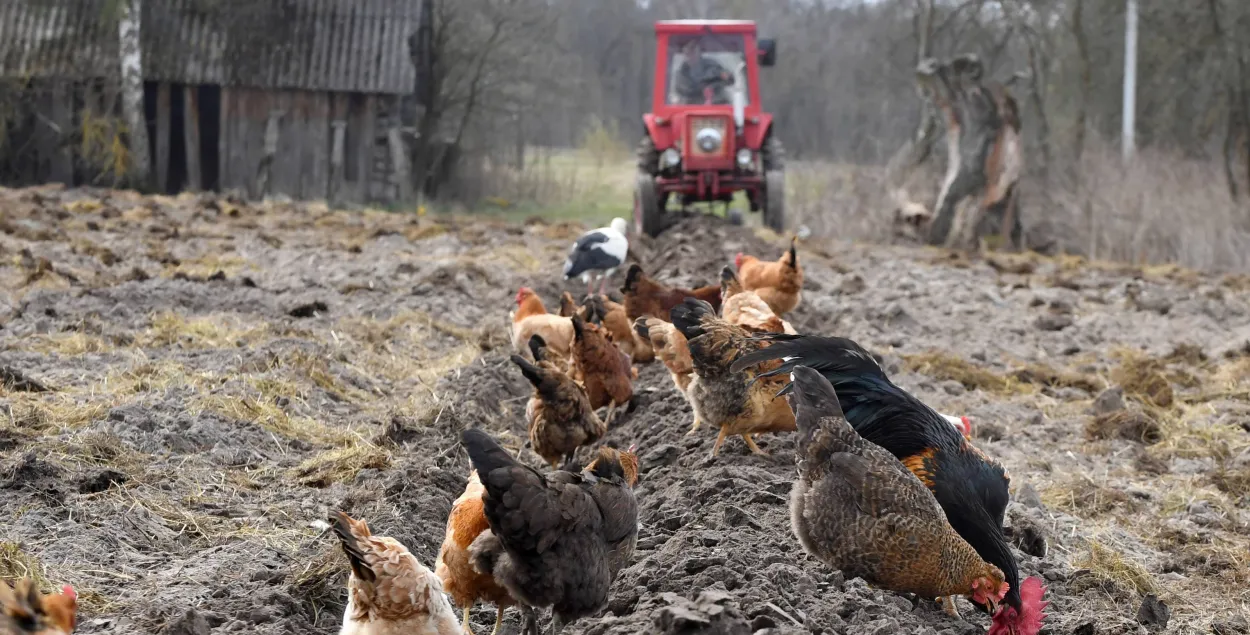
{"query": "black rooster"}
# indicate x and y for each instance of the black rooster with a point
(970, 486)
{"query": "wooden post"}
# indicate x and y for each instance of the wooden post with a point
(364, 156)
(399, 163)
(62, 116)
(271, 149)
(191, 130)
(339, 127)
(162, 136)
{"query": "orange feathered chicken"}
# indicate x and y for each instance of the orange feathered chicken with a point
(26, 611)
(778, 283)
(531, 318)
(601, 368)
(746, 309)
(600, 310)
(647, 297)
(559, 414)
(670, 346)
(389, 591)
(463, 583)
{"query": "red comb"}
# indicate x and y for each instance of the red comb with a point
(69, 591)
(1029, 620)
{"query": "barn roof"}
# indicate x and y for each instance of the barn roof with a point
(332, 45)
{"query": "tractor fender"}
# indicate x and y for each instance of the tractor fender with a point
(661, 135)
(757, 133)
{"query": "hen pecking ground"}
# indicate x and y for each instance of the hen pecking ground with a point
(197, 382)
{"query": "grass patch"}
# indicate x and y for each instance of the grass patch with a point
(16, 564)
(266, 414)
(206, 265)
(1132, 425)
(169, 328)
(1082, 497)
(1143, 378)
(1043, 375)
(73, 344)
(944, 367)
(342, 464)
(46, 412)
(1106, 565)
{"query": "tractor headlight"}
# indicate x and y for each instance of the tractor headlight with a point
(745, 158)
(670, 159)
(708, 140)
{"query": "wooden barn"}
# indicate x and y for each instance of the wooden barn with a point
(302, 98)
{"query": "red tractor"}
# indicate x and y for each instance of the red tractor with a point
(707, 136)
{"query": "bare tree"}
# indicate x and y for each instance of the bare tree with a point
(984, 158)
(131, 69)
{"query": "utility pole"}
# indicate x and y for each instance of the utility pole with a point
(1130, 80)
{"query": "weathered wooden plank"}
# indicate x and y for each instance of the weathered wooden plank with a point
(62, 116)
(399, 163)
(163, 115)
(225, 175)
(364, 157)
(191, 134)
(269, 172)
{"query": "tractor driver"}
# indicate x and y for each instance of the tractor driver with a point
(699, 72)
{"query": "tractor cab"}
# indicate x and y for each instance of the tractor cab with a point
(707, 136)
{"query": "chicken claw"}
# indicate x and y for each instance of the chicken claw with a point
(720, 438)
(465, 622)
(695, 426)
(751, 445)
(950, 608)
(498, 620)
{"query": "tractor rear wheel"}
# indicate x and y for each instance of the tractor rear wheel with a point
(775, 200)
(647, 213)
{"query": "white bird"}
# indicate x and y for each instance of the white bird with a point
(598, 253)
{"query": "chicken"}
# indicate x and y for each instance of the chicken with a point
(559, 415)
(779, 283)
(461, 581)
(745, 308)
(600, 310)
(601, 368)
(568, 306)
(26, 611)
(670, 346)
(859, 510)
(731, 400)
(389, 591)
(557, 539)
(531, 318)
(646, 297)
(971, 488)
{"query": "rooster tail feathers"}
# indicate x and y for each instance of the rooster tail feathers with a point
(632, 277)
(532, 373)
(484, 453)
(538, 347)
(688, 316)
(350, 531)
(794, 254)
(641, 328)
(837, 355)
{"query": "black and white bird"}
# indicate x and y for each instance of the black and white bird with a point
(598, 253)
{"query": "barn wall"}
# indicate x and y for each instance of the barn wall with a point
(297, 163)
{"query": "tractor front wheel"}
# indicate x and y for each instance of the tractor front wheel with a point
(647, 212)
(775, 200)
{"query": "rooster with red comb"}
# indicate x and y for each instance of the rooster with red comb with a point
(971, 488)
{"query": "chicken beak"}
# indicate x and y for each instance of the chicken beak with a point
(994, 607)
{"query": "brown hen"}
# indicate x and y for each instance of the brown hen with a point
(647, 297)
(859, 510)
(779, 283)
(602, 369)
(559, 414)
(733, 401)
(745, 308)
(26, 611)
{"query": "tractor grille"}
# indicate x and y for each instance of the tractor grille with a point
(720, 125)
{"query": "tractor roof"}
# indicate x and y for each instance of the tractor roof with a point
(695, 26)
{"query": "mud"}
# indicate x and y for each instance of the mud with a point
(223, 375)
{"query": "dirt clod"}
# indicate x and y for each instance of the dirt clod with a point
(1153, 612)
(308, 310)
(1133, 425)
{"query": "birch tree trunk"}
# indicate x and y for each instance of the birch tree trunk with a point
(131, 55)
